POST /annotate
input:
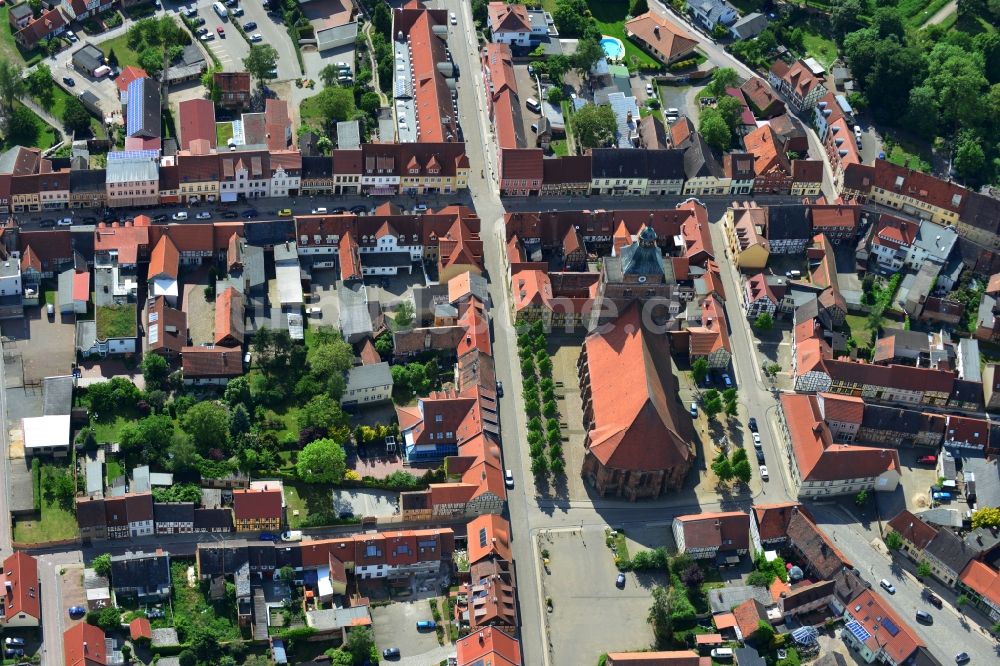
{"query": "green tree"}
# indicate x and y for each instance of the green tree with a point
(588, 51)
(741, 470)
(382, 20)
(638, 7)
(239, 421)
(146, 437)
(557, 66)
(187, 658)
(699, 369)
(338, 656)
(711, 402)
(329, 74)
(404, 314)
(12, 87)
(539, 466)
(861, 498)
(40, 84)
(887, 22)
(961, 601)
(922, 115)
(723, 468)
(359, 643)
(923, 570)
(970, 160)
(336, 104)
(722, 78)
(764, 322)
(573, 18)
(659, 617)
(893, 541)
(764, 635)
(238, 392)
(715, 130)
(988, 517)
(370, 101)
(22, 126)
(208, 425)
(844, 17)
(555, 95)
(322, 461)
(154, 370)
(731, 110)
(594, 126)
(151, 60)
(261, 61)
(102, 564)
(324, 412)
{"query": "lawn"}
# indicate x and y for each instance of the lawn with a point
(46, 136)
(559, 147)
(116, 321)
(919, 160)
(610, 17)
(817, 43)
(108, 432)
(223, 133)
(190, 605)
(119, 45)
(310, 500)
(916, 12)
(58, 106)
(56, 522)
(9, 50)
(859, 329)
(114, 470)
(309, 112)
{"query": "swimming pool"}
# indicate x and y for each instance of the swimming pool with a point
(613, 47)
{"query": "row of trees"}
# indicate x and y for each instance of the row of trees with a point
(544, 445)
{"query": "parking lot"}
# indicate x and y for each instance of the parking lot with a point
(396, 626)
(231, 49)
(275, 34)
(583, 580)
(365, 503)
(913, 492)
(47, 347)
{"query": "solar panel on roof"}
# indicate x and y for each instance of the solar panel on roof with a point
(890, 626)
(482, 537)
(858, 631)
(131, 154)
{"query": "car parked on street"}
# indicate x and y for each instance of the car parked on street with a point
(267, 536)
(927, 460)
(256, 37)
(68, 80)
(620, 581)
(923, 617)
(285, 212)
(756, 439)
(752, 424)
(10, 641)
(76, 612)
(763, 473)
(203, 215)
(508, 478)
(390, 653)
(250, 25)
(933, 599)
(962, 658)
(887, 586)
(180, 216)
(426, 625)
(251, 213)
(760, 456)
(221, 31)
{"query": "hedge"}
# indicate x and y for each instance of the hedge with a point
(36, 483)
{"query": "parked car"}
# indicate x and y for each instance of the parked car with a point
(256, 37)
(426, 625)
(250, 213)
(722, 653)
(44, 224)
(154, 613)
(927, 460)
(342, 66)
(230, 215)
(180, 216)
(763, 473)
(14, 652)
(756, 439)
(267, 536)
(68, 80)
(10, 641)
(237, 12)
(203, 215)
(752, 424)
(727, 380)
(508, 478)
(221, 31)
(201, 31)
(390, 653)
(71, 36)
(292, 535)
(77, 612)
(760, 456)
(941, 496)
(933, 599)
(420, 208)
(962, 658)
(649, 90)
(694, 410)
(320, 211)
(345, 515)
(190, 12)
(250, 25)
(207, 37)
(499, 389)
(160, 218)
(65, 222)
(359, 210)
(923, 617)
(339, 210)
(285, 212)
(199, 21)
(453, 19)
(887, 586)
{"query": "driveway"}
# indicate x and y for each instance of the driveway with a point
(396, 626)
(365, 503)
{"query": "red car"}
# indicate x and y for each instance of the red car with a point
(927, 460)
(222, 33)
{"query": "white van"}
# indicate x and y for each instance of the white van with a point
(722, 653)
(103, 70)
(221, 10)
(533, 104)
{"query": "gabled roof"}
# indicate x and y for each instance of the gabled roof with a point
(129, 74)
(918, 185)
(508, 18)
(658, 658)
(229, 316)
(212, 361)
(913, 529)
(488, 536)
(166, 327)
(872, 613)
(661, 34)
(19, 586)
(257, 504)
(164, 261)
(983, 580)
(772, 519)
(822, 557)
(197, 121)
(637, 423)
(762, 96)
(729, 530)
(83, 645)
(768, 154)
(489, 646)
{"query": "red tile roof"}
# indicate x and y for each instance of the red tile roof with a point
(632, 399)
(207, 362)
(83, 645)
(350, 258)
(768, 154)
(713, 333)
(893, 178)
(913, 529)
(19, 587)
(129, 74)
(983, 580)
(489, 646)
(166, 327)
(748, 616)
(726, 530)
(817, 457)
(661, 35)
(257, 504)
(488, 536)
(81, 287)
(763, 97)
(521, 164)
(129, 239)
(229, 317)
(41, 27)
(773, 519)
(140, 628)
(165, 260)
(807, 171)
(197, 121)
(798, 77)
(842, 408)
(871, 611)
(508, 18)
(435, 111)
(658, 658)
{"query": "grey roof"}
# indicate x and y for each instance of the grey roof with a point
(666, 164)
(86, 334)
(969, 391)
(750, 25)
(747, 656)
(906, 421)
(713, 9)
(88, 56)
(626, 112)
(87, 180)
(699, 160)
(349, 134)
(643, 257)
(916, 342)
(221, 558)
(143, 110)
(983, 539)
(387, 259)
(191, 64)
(355, 318)
(950, 550)
(941, 517)
(133, 169)
(139, 569)
(616, 163)
(787, 222)
(208, 519)
(722, 599)
(936, 240)
(252, 258)
(335, 618)
(270, 232)
(367, 376)
(968, 357)
(140, 479)
(95, 478)
(173, 512)
(317, 166)
(57, 394)
(986, 478)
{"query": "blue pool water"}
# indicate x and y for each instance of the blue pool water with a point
(612, 47)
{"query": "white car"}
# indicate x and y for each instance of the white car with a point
(208, 36)
(71, 36)
(291, 535)
(204, 215)
(756, 439)
(179, 216)
(454, 19)
(649, 89)
(65, 222)
(508, 478)
(342, 65)
(889, 587)
(319, 211)
(256, 37)
(763, 472)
